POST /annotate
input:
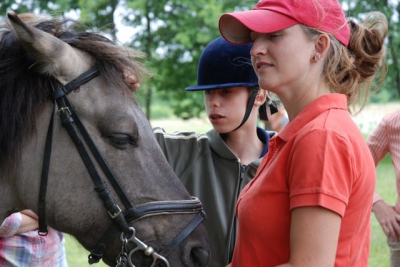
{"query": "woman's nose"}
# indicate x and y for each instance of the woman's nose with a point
(258, 48)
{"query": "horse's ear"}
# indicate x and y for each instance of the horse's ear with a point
(53, 56)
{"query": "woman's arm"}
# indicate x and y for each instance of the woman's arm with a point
(314, 235)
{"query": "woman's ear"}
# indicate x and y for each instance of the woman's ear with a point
(260, 98)
(322, 44)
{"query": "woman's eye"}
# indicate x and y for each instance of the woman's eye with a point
(122, 141)
(273, 35)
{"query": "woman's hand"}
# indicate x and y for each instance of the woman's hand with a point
(388, 218)
(29, 222)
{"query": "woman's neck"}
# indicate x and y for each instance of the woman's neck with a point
(295, 101)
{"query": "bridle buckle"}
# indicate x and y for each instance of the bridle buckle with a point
(115, 214)
(64, 111)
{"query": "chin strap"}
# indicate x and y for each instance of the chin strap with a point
(262, 109)
(249, 107)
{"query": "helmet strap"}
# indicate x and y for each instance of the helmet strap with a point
(249, 107)
(262, 109)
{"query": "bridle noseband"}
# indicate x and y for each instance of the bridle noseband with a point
(121, 219)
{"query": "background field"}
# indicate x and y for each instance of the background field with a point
(367, 120)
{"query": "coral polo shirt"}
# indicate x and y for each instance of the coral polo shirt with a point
(319, 159)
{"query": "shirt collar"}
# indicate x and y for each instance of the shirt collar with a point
(310, 112)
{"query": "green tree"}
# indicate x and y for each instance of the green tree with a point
(175, 32)
(94, 14)
(173, 35)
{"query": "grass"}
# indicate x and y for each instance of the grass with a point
(77, 256)
(379, 256)
(386, 188)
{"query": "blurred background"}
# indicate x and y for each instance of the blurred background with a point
(172, 34)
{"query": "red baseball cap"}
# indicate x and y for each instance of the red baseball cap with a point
(275, 15)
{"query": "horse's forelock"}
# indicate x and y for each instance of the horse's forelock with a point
(23, 92)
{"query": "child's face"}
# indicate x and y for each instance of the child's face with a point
(226, 107)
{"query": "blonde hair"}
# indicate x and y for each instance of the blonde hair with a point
(360, 68)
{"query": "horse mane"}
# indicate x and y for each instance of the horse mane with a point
(24, 92)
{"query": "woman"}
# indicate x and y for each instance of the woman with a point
(310, 201)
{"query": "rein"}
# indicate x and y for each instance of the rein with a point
(121, 219)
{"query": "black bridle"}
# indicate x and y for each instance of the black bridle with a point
(121, 219)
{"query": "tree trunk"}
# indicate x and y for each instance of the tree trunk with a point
(148, 53)
(395, 64)
(113, 30)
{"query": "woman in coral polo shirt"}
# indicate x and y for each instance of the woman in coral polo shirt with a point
(310, 202)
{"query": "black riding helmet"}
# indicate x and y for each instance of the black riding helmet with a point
(223, 65)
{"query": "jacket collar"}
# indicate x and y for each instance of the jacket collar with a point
(219, 146)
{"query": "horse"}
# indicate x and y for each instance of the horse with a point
(77, 149)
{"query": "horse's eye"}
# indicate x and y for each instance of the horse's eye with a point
(121, 141)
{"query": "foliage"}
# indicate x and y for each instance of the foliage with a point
(173, 33)
(173, 36)
(385, 187)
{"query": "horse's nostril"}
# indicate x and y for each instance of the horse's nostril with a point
(200, 257)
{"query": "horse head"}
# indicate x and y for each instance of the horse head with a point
(77, 149)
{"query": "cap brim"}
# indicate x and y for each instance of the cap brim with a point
(218, 86)
(236, 27)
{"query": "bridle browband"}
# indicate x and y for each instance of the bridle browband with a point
(120, 219)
